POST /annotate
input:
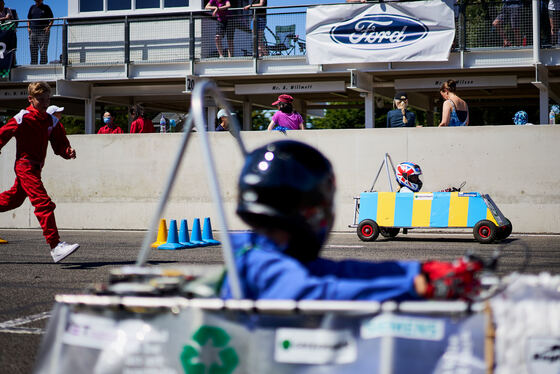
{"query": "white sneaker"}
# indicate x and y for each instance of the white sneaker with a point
(63, 250)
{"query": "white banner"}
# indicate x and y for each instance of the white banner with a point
(385, 32)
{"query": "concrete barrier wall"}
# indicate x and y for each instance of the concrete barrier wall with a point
(116, 180)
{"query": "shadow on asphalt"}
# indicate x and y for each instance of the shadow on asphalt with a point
(440, 240)
(93, 265)
(84, 265)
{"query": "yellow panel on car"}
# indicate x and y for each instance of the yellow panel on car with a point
(386, 209)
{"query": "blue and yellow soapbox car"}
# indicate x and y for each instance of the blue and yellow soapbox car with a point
(386, 213)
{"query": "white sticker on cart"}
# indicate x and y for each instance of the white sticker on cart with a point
(315, 346)
(543, 355)
(90, 331)
(403, 327)
(423, 196)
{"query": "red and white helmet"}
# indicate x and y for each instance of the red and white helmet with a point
(408, 175)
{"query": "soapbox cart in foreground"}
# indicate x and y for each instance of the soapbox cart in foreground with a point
(167, 320)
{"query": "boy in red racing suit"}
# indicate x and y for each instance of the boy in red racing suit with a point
(33, 128)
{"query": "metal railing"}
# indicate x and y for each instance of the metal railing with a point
(279, 33)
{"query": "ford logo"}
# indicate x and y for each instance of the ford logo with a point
(382, 31)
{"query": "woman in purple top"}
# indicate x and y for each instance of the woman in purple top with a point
(219, 10)
(286, 118)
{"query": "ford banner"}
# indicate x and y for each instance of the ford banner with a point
(383, 32)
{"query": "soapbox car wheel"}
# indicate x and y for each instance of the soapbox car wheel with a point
(368, 230)
(504, 231)
(485, 231)
(389, 232)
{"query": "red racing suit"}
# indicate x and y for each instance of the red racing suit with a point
(142, 125)
(110, 130)
(33, 130)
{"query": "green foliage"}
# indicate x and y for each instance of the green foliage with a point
(260, 119)
(73, 125)
(340, 119)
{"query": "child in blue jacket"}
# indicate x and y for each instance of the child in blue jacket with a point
(286, 194)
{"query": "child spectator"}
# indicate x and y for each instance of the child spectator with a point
(285, 118)
(224, 120)
(110, 127)
(521, 118)
(55, 111)
(33, 128)
(140, 123)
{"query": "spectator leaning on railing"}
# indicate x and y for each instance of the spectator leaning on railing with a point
(261, 25)
(219, 10)
(39, 31)
(510, 14)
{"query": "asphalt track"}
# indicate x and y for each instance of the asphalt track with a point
(30, 280)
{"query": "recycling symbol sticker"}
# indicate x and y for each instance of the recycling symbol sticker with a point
(220, 358)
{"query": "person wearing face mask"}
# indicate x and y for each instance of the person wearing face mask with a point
(110, 127)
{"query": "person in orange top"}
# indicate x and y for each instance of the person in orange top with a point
(110, 127)
(140, 123)
(33, 128)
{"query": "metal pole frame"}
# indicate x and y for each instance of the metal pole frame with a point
(386, 160)
(196, 118)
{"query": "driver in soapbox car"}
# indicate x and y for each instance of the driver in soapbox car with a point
(286, 194)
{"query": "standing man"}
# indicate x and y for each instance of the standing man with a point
(39, 31)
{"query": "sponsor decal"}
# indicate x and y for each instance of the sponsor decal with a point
(423, 196)
(314, 346)
(209, 352)
(468, 194)
(379, 31)
(543, 355)
(90, 332)
(403, 327)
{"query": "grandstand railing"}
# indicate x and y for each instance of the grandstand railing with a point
(190, 37)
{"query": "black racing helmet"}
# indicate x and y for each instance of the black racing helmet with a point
(290, 186)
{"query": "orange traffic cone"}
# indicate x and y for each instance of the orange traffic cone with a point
(161, 235)
(2, 241)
